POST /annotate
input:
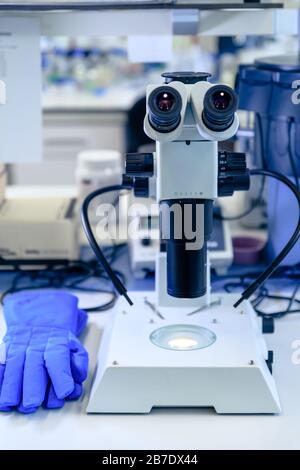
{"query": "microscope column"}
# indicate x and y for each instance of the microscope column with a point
(187, 184)
(186, 225)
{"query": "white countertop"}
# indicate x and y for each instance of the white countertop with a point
(72, 428)
(17, 191)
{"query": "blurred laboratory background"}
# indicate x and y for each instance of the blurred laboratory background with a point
(92, 93)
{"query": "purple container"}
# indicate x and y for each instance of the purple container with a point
(247, 250)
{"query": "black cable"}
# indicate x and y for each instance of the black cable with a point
(287, 248)
(293, 297)
(63, 275)
(257, 201)
(119, 286)
(96, 308)
(279, 313)
(265, 295)
(103, 307)
(280, 272)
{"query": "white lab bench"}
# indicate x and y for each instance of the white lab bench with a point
(73, 122)
(72, 428)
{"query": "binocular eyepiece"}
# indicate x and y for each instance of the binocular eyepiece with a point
(219, 105)
(165, 106)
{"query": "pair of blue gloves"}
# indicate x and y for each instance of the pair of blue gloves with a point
(42, 362)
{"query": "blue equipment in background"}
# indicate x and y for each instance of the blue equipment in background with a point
(269, 89)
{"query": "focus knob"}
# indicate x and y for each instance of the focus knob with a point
(139, 164)
(236, 161)
(233, 173)
(141, 187)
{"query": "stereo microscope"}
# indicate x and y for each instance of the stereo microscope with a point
(182, 346)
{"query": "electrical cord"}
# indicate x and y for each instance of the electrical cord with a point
(263, 295)
(70, 275)
(279, 313)
(287, 248)
(257, 201)
(96, 308)
(63, 273)
(241, 280)
(287, 271)
(119, 286)
(247, 293)
(293, 297)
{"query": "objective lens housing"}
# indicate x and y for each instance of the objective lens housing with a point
(219, 105)
(164, 106)
(186, 265)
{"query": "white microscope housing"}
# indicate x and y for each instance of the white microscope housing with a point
(180, 346)
(187, 117)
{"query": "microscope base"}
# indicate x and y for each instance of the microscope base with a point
(230, 375)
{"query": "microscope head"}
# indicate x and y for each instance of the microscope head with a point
(187, 105)
(187, 117)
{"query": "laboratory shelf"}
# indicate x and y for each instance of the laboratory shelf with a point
(63, 6)
(164, 17)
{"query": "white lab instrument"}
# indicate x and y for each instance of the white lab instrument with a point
(223, 366)
(38, 229)
(180, 346)
(97, 168)
(3, 181)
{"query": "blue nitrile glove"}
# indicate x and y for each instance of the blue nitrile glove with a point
(42, 360)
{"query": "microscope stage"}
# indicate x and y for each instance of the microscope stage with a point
(229, 374)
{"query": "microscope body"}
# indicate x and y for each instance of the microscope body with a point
(187, 175)
(175, 347)
(187, 117)
(187, 184)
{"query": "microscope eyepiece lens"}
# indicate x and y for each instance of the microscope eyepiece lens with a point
(164, 104)
(219, 105)
(221, 99)
(165, 101)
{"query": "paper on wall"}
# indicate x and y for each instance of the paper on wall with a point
(150, 48)
(20, 75)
